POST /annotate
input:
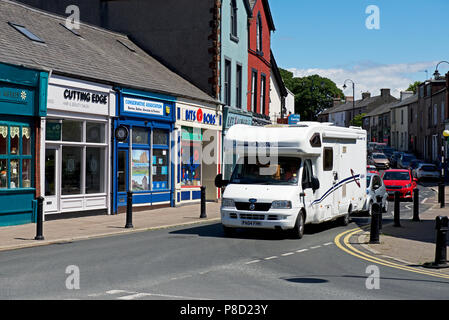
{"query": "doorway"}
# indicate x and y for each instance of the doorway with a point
(51, 179)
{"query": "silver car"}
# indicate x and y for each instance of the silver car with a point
(375, 187)
(426, 171)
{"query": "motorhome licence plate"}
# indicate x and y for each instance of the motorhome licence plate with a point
(251, 223)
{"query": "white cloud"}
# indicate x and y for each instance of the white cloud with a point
(373, 77)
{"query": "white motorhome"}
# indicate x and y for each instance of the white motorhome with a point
(289, 176)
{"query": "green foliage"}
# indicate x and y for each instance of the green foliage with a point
(358, 120)
(414, 86)
(313, 94)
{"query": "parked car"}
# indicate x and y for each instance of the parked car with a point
(394, 158)
(399, 180)
(427, 171)
(414, 164)
(388, 151)
(371, 169)
(374, 188)
(404, 160)
(379, 160)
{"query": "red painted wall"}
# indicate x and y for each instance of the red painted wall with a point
(257, 61)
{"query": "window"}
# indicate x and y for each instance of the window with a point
(140, 135)
(238, 89)
(402, 116)
(95, 157)
(262, 94)
(307, 174)
(191, 151)
(315, 141)
(411, 115)
(15, 156)
(26, 32)
(234, 19)
(443, 116)
(71, 170)
(259, 33)
(254, 91)
(328, 160)
(435, 114)
(160, 161)
(72, 131)
(227, 84)
(95, 132)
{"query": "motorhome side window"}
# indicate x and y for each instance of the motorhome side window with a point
(328, 160)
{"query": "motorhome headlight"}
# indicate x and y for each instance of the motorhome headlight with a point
(227, 203)
(281, 204)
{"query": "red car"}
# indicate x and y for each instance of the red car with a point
(372, 169)
(399, 180)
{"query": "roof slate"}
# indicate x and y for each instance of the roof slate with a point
(97, 55)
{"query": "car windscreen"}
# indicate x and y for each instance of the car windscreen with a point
(396, 176)
(429, 168)
(379, 156)
(368, 180)
(284, 172)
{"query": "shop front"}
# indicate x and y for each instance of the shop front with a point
(233, 116)
(198, 137)
(75, 167)
(22, 103)
(143, 161)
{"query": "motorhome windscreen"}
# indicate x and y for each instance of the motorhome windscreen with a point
(284, 171)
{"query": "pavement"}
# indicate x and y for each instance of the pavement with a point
(413, 243)
(81, 228)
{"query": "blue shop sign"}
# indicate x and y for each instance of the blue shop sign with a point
(294, 119)
(233, 119)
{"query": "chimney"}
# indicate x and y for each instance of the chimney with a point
(349, 99)
(406, 95)
(384, 92)
(366, 95)
(336, 102)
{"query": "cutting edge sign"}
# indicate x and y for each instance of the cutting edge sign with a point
(199, 115)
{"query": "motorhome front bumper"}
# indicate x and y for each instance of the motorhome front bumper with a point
(272, 219)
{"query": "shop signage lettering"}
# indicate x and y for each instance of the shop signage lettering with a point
(237, 119)
(200, 116)
(143, 106)
(13, 95)
(85, 96)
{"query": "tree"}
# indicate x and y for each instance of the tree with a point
(414, 86)
(313, 94)
(358, 120)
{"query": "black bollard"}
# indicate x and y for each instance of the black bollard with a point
(416, 205)
(129, 210)
(40, 219)
(203, 203)
(379, 201)
(441, 225)
(441, 199)
(375, 216)
(397, 213)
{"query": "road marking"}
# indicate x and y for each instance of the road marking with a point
(119, 291)
(287, 254)
(425, 199)
(302, 250)
(327, 244)
(357, 253)
(270, 258)
(134, 296)
(315, 247)
(254, 261)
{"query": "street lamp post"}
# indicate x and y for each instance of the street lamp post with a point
(437, 75)
(353, 97)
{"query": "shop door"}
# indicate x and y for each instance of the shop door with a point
(122, 176)
(51, 179)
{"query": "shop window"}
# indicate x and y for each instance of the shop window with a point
(140, 170)
(53, 130)
(14, 142)
(140, 135)
(160, 169)
(14, 167)
(72, 131)
(95, 132)
(3, 174)
(50, 172)
(26, 141)
(3, 139)
(26, 173)
(160, 137)
(71, 170)
(191, 163)
(95, 170)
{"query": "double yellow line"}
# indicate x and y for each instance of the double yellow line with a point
(342, 241)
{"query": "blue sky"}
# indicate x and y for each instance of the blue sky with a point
(330, 38)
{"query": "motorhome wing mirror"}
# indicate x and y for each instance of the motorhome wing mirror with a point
(315, 183)
(219, 182)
